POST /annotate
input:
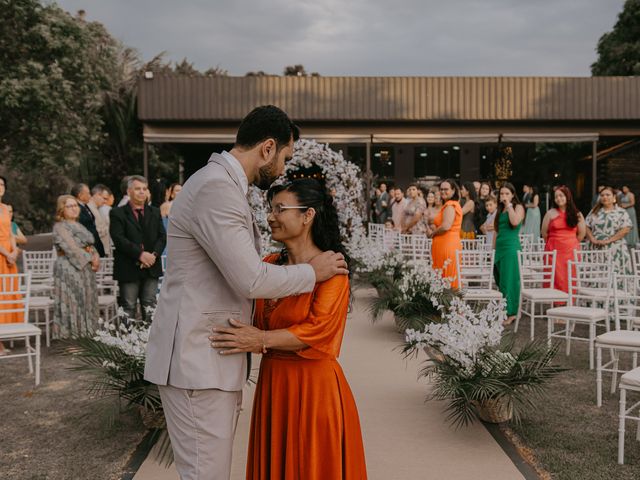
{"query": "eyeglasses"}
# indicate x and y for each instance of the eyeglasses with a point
(278, 209)
(75, 205)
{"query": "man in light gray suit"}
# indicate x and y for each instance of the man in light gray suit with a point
(214, 270)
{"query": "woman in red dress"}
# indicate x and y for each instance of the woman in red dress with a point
(305, 422)
(563, 227)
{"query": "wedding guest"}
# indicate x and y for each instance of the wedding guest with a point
(382, 204)
(607, 226)
(563, 227)
(628, 202)
(468, 202)
(531, 202)
(487, 228)
(476, 187)
(431, 210)
(485, 192)
(397, 208)
(446, 232)
(140, 239)
(15, 229)
(87, 219)
(95, 203)
(596, 196)
(123, 190)
(172, 193)
(74, 280)
(9, 253)
(106, 207)
(412, 219)
(508, 221)
(300, 338)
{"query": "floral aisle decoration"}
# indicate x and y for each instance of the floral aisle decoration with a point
(417, 298)
(339, 175)
(478, 371)
(115, 355)
(374, 263)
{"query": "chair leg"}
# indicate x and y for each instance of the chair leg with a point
(598, 376)
(27, 347)
(549, 332)
(621, 419)
(533, 319)
(567, 337)
(519, 314)
(592, 339)
(46, 327)
(37, 360)
(635, 359)
(614, 375)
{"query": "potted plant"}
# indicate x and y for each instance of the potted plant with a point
(480, 373)
(416, 298)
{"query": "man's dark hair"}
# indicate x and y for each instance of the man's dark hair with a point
(266, 122)
(77, 188)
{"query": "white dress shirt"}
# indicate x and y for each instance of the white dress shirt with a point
(235, 164)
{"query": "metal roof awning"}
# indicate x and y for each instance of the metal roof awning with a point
(549, 137)
(436, 138)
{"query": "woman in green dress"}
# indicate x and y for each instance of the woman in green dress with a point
(507, 245)
(628, 202)
(607, 226)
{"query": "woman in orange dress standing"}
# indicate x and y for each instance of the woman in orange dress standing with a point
(446, 232)
(305, 423)
(8, 257)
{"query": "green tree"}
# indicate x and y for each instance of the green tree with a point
(619, 49)
(54, 70)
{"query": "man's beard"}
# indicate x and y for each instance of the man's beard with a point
(267, 175)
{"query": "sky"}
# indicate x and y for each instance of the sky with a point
(365, 37)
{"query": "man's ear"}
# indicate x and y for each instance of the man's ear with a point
(268, 151)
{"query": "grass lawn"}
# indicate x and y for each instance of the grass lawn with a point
(55, 431)
(571, 437)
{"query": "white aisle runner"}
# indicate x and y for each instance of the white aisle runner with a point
(404, 437)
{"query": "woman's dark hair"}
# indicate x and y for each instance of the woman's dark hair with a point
(325, 230)
(571, 209)
(454, 186)
(470, 187)
(596, 208)
(426, 192)
(515, 201)
(4, 179)
(264, 122)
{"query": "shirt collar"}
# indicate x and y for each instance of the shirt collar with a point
(235, 164)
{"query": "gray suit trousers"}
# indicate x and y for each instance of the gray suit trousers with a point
(201, 425)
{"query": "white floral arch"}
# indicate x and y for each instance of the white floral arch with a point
(340, 174)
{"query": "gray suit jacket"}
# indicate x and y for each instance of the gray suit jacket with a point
(213, 271)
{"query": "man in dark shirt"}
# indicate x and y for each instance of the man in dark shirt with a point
(87, 218)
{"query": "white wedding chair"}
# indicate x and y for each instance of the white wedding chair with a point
(625, 338)
(107, 290)
(40, 264)
(14, 298)
(526, 240)
(635, 259)
(421, 248)
(391, 239)
(472, 244)
(406, 246)
(537, 275)
(475, 271)
(376, 232)
(630, 381)
(561, 321)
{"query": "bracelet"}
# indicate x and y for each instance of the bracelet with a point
(264, 341)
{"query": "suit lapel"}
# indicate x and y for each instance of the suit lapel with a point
(131, 217)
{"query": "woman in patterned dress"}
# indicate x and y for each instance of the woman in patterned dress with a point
(75, 291)
(607, 225)
(412, 220)
(628, 202)
(8, 258)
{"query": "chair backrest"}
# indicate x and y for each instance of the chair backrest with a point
(421, 247)
(538, 245)
(15, 291)
(105, 272)
(626, 299)
(475, 268)
(537, 269)
(584, 277)
(391, 239)
(526, 240)
(635, 258)
(376, 231)
(406, 246)
(473, 244)
(592, 256)
(40, 264)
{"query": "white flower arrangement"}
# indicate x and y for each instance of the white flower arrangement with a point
(464, 335)
(419, 278)
(370, 255)
(131, 339)
(340, 174)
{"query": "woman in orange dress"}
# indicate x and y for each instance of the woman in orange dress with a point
(563, 228)
(305, 423)
(8, 257)
(446, 232)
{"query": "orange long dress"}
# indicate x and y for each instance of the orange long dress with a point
(443, 247)
(5, 268)
(305, 423)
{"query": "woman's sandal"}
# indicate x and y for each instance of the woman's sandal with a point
(509, 321)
